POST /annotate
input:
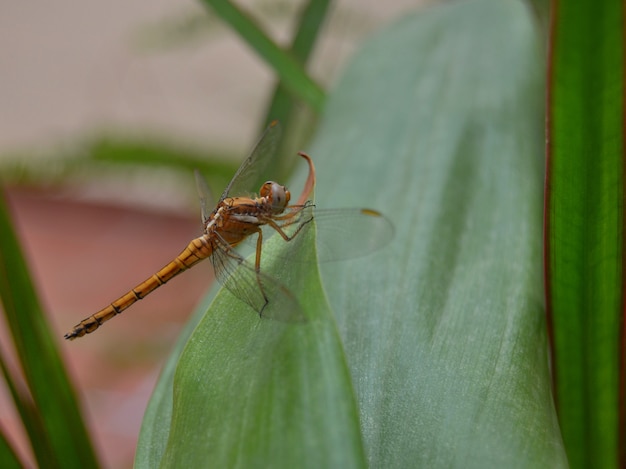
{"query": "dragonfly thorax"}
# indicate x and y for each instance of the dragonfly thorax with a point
(275, 195)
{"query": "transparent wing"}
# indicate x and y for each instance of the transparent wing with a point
(266, 295)
(342, 234)
(349, 233)
(253, 167)
(207, 204)
(250, 170)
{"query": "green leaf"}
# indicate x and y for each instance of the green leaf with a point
(153, 153)
(39, 357)
(585, 228)
(155, 427)
(438, 123)
(291, 73)
(7, 455)
(244, 370)
(31, 422)
(282, 104)
(444, 135)
(111, 151)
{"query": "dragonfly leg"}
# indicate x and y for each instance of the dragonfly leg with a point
(284, 235)
(257, 268)
(259, 245)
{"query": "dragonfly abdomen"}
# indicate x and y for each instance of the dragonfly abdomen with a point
(197, 250)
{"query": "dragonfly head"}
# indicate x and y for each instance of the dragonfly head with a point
(278, 196)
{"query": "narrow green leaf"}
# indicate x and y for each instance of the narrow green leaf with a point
(123, 151)
(40, 358)
(7, 455)
(31, 421)
(584, 227)
(113, 151)
(283, 104)
(308, 29)
(291, 73)
(153, 152)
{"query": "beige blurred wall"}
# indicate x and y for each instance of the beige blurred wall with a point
(69, 67)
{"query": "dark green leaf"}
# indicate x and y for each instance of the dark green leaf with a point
(7, 455)
(585, 228)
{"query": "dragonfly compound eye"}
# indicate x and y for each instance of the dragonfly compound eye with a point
(277, 195)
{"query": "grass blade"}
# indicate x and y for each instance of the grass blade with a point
(31, 421)
(291, 73)
(309, 26)
(7, 455)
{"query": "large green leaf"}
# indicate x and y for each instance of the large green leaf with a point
(451, 367)
(275, 383)
(437, 122)
(585, 228)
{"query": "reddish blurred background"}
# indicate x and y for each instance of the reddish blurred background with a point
(82, 256)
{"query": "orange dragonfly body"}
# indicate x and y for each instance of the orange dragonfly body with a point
(232, 221)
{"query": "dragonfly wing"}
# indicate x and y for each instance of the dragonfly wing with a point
(266, 295)
(255, 165)
(207, 204)
(293, 222)
(350, 233)
(341, 233)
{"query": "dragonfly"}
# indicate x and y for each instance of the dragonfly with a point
(237, 217)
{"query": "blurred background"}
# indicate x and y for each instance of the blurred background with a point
(105, 108)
